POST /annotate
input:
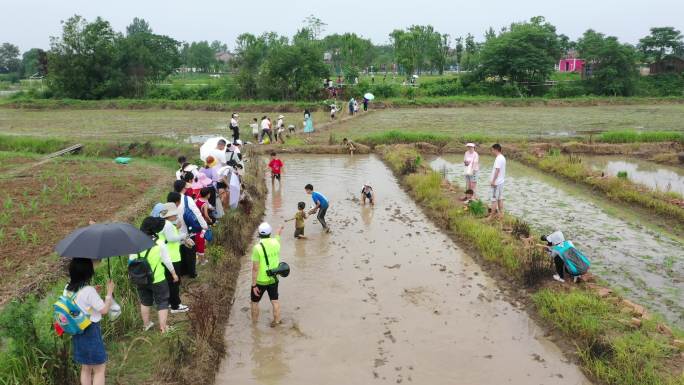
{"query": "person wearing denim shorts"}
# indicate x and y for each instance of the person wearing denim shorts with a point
(497, 181)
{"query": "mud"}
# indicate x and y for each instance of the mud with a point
(385, 298)
(628, 251)
(657, 177)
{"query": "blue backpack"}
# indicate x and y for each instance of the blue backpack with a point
(190, 219)
(68, 317)
(575, 262)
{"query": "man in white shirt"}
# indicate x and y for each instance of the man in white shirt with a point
(266, 129)
(497, 181)
(234, 126)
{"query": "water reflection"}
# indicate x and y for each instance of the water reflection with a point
(656, 176)
(267, 356)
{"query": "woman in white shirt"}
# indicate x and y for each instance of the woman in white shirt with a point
(471, 160)
(88, 347)
(234, 126)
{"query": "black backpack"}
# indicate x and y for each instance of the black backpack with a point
(139, 270)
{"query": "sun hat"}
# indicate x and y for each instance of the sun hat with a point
(265, 229)
(470, 144)
(168, 210)
(190, 168)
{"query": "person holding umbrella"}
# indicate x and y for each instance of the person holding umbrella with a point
(88, 347)
(157, 291)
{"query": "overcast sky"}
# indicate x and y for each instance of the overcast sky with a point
(30, 23)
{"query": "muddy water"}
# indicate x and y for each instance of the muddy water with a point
(625, 250)
(656, 176)
(385, 298)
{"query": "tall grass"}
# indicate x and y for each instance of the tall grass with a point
(641, 137)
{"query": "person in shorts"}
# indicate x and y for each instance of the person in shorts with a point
(367, 193)
(471, 162)
(321, 205)
(157, 292)
(265, 256)
(276, 166)
(299, 219)
(497, 182)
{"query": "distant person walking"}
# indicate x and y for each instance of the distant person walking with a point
(321, 205)
(365, 104)
(266, 130)
(88, 347)
(351, 106)
(255, 129)
(308, 122)
(471, 160)
(265, 256)
(497, 181)
(234, 126)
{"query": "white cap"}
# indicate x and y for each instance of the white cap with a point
(265, 229)
(470, 144)
(238, 142)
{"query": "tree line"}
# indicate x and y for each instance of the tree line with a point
(92, 61)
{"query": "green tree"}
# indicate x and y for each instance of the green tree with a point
(201, 56)
(218, 46)
(146, 57)
(611, 65)
(419, 48)
(315, 25)
(470, 58)
(9, 58)
(250, 53)
(138, 25)
(662, 42)
(459, 49)
(350, 53)
(526, 52)
(83, 62)
(34, 61)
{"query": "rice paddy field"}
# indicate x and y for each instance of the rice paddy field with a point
(130, 125)
(519, 122)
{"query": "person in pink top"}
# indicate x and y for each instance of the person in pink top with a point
(471, 160)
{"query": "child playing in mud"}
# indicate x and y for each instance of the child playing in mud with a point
(299, 218)
(349, 145)
(321, 207)
(276, 166)
(367, 193)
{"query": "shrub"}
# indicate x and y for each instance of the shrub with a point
(638, 137)
(477, 208)
(396, 137)
(622, 174)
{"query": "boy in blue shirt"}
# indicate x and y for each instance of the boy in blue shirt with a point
(321, 205)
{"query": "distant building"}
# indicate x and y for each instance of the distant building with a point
(671, 64)
(571, 65)
(224, 57)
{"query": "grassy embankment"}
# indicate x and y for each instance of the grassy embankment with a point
(297, 106)
(610, 345)
(30, 352)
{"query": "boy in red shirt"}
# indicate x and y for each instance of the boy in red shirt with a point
(276, 166)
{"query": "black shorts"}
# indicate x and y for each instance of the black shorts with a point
(299, 232)
(156, 293)
(276, 176)
(271, 289)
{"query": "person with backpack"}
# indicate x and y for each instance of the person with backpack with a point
(566, 258)
(146, 271)
(88, 345)
(265, 256)
(173, 239)
(191, 222)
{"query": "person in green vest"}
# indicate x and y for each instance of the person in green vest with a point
(265, 256)
(173, 238)
(157, 292)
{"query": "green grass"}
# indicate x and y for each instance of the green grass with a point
(396, 137)
(641, 137)
(609, 348)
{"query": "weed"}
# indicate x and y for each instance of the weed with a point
(639, 137)
(622, 174)
(22, 234)
(477, 208)
(521, 229)
(396, 137)
(8, 203)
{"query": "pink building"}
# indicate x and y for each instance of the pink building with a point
(571, 65)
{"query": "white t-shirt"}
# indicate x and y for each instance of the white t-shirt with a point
(279, 123)
(90, 302)
(233, 122)
(255, 128)
(265, 124)
(500, 163)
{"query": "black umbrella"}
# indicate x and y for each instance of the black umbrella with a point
(104, 240)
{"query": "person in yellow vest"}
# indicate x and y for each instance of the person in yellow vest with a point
(267, 249)
(156, 293)
(173, 238)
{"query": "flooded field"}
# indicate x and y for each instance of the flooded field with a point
(656, 176)
(385, 298)
(625, 250)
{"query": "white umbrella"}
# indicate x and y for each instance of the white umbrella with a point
(415, 76)
(369, 96)
(209, 149)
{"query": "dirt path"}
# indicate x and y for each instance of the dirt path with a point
(385, 298)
